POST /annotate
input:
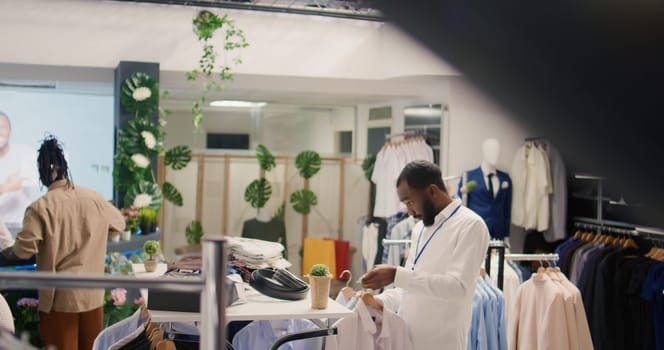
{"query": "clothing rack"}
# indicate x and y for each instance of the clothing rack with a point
(534, 138)
(405, 133)
(532, 257)
(498, 246)
(618, 227)
(396, 241)
(211, 286)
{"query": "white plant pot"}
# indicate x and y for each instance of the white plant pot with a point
(115, 238)
(126, 235)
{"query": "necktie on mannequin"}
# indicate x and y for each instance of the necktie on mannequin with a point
(490, 176)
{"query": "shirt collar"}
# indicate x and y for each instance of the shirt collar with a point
(59, 184)
(447, 211)
(367, 323)
(486, 169)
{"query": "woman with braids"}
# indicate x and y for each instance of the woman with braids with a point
(67, 230)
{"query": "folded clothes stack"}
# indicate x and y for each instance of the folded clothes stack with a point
(256, 253)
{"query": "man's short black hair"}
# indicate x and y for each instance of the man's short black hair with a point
(420, 174)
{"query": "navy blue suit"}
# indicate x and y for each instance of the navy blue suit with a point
(495, 212)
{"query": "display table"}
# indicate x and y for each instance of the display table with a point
(262, 307)
(135, 243)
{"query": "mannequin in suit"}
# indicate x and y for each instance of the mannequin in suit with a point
(492, 197)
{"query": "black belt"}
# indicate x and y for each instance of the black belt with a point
(280, 284)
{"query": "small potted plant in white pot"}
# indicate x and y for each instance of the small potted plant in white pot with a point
(151, 250)
(319, 280)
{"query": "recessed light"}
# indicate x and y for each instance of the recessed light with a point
(237, 104)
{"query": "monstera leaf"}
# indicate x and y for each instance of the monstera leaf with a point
(139, 94)
(303, 200)
(258, 193)
(308, 163)
(144, 194)
(178, 157)
(265, 158)
(368, 166)
(172, 194)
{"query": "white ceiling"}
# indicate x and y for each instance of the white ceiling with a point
(291, 58)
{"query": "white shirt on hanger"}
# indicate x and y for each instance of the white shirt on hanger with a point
(360, 332)
(531, 186)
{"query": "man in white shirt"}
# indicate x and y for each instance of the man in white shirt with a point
(18, 176)
(435, 288)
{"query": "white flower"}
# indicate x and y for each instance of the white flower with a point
(140, 160)
(142, 200)
(505, 185)
(149, 139)
(142, 93)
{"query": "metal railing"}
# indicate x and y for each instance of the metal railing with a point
(211, 286)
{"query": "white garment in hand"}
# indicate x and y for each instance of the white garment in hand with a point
(360, 332)
(369, 244)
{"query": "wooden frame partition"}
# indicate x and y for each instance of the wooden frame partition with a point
(227, 158)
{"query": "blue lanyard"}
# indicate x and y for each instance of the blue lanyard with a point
(417, 247)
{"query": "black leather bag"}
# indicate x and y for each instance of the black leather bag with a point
(280, 284)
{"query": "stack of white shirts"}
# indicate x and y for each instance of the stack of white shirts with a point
(256, 253)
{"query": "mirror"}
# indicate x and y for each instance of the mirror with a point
(426, 120)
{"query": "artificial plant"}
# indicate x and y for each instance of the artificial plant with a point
(151, 249)
(206, 24)
(308, 164)
(258, 192)
(194, 232)
(141, 141)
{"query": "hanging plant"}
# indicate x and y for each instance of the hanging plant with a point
(368, 166)
(139, 94)
(265, 158)
(303, 201)
(308, 163)
(258, 193)
(206, 24)
(178, 157)
(172, 194)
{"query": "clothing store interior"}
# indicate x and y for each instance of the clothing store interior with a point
(330, 174)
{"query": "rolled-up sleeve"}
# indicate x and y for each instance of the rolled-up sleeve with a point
(28, 240)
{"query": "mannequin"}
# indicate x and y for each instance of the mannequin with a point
(263, 215)
(266, 227)
(492, 196)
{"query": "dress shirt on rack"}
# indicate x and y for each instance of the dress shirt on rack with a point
(261, 334)
(531, 177)
(390, 160)
(558, 199)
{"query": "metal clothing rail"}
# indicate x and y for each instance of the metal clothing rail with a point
(609, 225)
(211, 286)
(532, 257)
(396, 241)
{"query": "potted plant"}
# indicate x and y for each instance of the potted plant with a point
(151, 250)
(131, 217)
(319, 280)
(148, 219)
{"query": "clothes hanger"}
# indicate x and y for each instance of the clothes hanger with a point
(347, 291)
(166, 345)
(577, 235)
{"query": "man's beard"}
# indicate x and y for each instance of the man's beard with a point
(428, 212)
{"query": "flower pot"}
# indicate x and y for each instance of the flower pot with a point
(126, 235)
(320, 291)
(150, 265)
(115, 238)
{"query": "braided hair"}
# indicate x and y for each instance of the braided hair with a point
(51, 162)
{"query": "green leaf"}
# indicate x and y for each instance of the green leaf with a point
(144, 107)
(194, 232)
(172, 194)
(281, 211)
(178, 157)
(265, 158)
(258, 193)
(303, 200)
(308, 163)
(144, 187)
(368, 166)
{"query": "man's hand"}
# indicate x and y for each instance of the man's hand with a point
(379, 277)
(8, 254)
